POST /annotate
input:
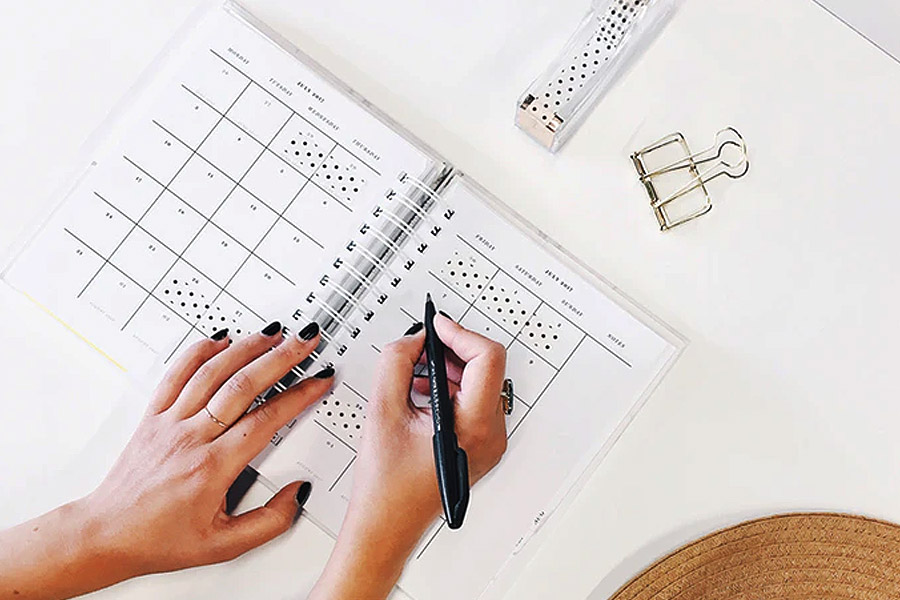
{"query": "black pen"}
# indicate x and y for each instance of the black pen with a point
(450, 460)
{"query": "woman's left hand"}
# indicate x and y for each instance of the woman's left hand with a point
(162, 506)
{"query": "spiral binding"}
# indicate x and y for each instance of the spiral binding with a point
(432, 194)
(352, 329)
(359, 276)
(376, 259)
(365, 283)
(325, 281)
(334, 312)
(397, 222)
(408, 203)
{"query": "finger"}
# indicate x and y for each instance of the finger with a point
(482, 377)
(250, 434)
(216, 372)
(234, 397)
(422, 385)
(390, 397)
(258, 526)
(184, 368)
(451, 361)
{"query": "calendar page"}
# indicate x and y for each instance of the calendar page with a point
(215, 203)
(237, 186)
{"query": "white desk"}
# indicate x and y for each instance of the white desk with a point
(786, 398)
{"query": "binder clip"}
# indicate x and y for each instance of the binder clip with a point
(670, 172)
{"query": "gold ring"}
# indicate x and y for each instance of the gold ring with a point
(506, 396)
(209, 414)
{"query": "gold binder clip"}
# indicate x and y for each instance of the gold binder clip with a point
(667, 183)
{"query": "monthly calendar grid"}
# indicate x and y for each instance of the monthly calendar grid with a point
(149, 208)
(232, 191)
(566, 319)
(262, 239)
(193, 153)
(224, 116)
(470, 306)
(251, 252)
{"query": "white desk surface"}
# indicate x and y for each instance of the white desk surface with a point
(787, 396)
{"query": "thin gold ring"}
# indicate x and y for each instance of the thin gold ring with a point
(218, 422)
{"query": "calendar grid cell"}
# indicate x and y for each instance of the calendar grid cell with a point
(165, 188)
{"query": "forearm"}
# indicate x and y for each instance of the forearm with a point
(58, 555)
(367, 559)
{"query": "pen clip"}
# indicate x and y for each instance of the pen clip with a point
(458, 512)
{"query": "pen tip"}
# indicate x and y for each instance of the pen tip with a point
(427, 296)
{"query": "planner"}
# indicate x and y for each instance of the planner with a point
(240, 183)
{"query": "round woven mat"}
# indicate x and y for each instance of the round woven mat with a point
(787, 557)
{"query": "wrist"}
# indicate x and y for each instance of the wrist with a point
(64, 553)
(100, 546)
(370, 554)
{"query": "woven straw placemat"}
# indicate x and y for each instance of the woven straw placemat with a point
(811, 556)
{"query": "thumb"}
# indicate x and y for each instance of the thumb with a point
(390, 396)
(258, 526)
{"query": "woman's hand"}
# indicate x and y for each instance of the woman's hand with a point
(162, 506)
(395, 493)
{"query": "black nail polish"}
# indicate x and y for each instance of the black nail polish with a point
(309, 332)
(445, 314)
(416, 328)
(272, 328)
(219, 335)
(303, 494)
(325, 373)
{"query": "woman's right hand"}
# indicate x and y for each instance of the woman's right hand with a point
(395, 493)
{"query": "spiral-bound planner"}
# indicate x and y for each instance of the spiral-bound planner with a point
(241, 183)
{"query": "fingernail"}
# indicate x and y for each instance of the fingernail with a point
(272, 328)
(445, 314)
(309, 332)
(219, 335)
(325, 373)
(416, 328)
(303, 494)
